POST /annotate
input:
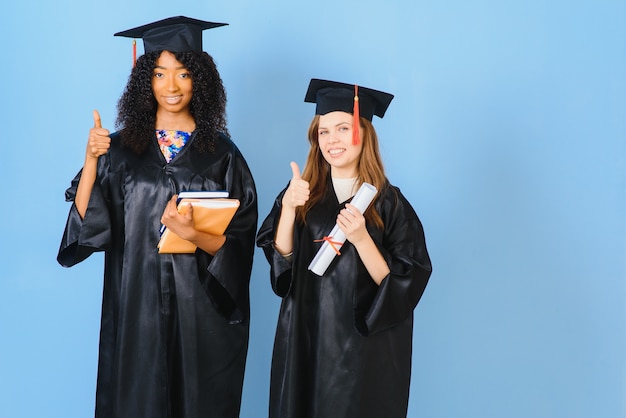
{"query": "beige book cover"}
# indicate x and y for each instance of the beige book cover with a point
(209, 215)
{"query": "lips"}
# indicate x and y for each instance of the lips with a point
(173, 99)
(336, 151)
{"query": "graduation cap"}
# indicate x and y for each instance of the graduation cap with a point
(174, 34)
(331, 96)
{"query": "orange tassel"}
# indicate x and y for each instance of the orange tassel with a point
(357, 119)
(134, 52)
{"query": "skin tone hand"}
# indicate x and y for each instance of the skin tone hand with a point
(352, 224)
(98, 144)
(182, 225)
(297, 194)
(99, 141)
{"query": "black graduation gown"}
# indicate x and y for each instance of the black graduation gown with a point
(174, 330)
(343, 344)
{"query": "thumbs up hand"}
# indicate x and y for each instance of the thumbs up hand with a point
(98, 142)
(297, 193)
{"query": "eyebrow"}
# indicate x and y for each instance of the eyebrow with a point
(335, 125)
(165, 68)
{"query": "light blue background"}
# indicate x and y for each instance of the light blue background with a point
(507, 133)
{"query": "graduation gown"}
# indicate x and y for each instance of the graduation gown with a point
(174, 329)
(343, 344)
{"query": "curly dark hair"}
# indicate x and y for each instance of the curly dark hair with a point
(136, 118)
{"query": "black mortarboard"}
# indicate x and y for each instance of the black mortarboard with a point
(331, 96)
(174, 34)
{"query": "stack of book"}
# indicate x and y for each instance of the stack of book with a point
(212, 213)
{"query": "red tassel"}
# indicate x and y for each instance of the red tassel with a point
(356, 139)
(134, 52)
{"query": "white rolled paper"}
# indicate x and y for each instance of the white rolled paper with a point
(326, 253)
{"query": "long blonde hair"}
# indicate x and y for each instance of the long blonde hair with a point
(370, 169)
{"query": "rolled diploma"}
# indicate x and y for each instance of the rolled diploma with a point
(326, 253)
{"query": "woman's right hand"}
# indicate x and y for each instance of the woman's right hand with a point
(99, 141)
(298, 192)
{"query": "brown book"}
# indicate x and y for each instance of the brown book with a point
(209, 215)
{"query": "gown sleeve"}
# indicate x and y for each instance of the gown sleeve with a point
(232, 264)
(280, 267)
(82, 237)
(404, 249)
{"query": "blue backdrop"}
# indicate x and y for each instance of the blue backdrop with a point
(507, 134)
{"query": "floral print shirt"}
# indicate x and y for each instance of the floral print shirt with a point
(171, 142)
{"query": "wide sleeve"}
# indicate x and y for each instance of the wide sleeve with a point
(280, 267)
(232, 264)
(404, 249)
(82, 237)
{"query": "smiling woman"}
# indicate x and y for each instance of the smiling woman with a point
(335, 135)
(343, 340)
(172, 88)
(174, 330)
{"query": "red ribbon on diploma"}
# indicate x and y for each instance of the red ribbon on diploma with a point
(331, 243)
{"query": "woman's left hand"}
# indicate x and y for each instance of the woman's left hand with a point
(179, 223)
(352, 223)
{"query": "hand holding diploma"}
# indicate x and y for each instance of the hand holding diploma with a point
(352, 223)
(335, 239)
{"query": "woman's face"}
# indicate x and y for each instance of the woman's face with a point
(335, 142)
(171, 84)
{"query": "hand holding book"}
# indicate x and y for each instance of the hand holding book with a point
(210, 215)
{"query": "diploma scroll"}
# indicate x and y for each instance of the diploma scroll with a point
(328, 251)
